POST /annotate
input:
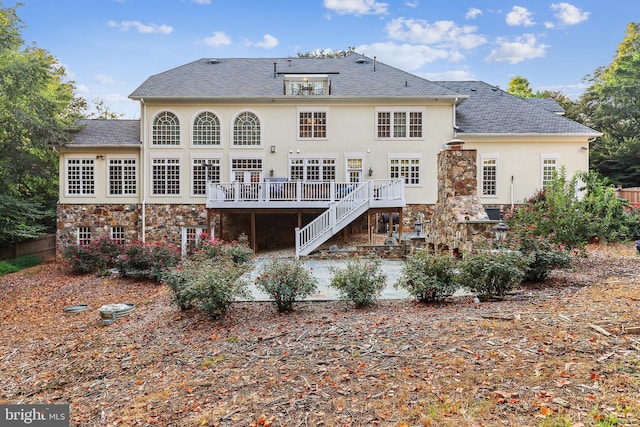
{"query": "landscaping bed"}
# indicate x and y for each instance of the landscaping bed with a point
(564, 353)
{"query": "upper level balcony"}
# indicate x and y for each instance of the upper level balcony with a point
(307, 85)
(298, 194)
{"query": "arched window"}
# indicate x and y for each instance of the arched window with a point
(246, 130)
(166, 129)
(206, 129)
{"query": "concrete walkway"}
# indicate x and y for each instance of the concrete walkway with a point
(322, 271)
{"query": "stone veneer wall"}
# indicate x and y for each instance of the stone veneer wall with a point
(459, 222)
(163, 222)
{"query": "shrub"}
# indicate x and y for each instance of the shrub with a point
(147, 260)
(207, 285)
(428, 277)
(237, 251)
(543, 256)
(96, 257)
(491, 274)
(286, 282)
(360, 281)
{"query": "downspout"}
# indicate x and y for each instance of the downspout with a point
(512, 193)
(144, 169)
(455, 128)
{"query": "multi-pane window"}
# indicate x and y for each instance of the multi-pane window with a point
(312, 124)
(122, 177)
(203, 170)
(84, 236)
(489, 177)
(206, 129)
(315, 169)
(81, 177)
(549, 169)
(354, 169)
(246, 170)
(191, 236)
(399, 124)
(246, 130)
(166, 129)
(165, 176)
(408, 169)
(117, 234)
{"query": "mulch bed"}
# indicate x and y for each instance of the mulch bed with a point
(564, 353)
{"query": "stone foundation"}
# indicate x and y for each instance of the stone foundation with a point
(163, 222)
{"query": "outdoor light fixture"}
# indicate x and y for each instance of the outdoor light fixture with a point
(273, 148)
(271, 172)
(501, 231)
(370, 171)
(418, 227)
(100, 157)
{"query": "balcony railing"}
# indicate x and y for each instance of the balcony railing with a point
(292, 194)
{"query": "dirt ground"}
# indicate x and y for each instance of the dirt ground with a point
(566, 353)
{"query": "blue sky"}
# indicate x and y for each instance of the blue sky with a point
(109, 47)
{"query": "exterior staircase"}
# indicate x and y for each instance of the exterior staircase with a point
(340, 214)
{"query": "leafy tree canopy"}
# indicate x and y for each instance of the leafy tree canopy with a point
(321, 53)
(612, 105)
(36, 108)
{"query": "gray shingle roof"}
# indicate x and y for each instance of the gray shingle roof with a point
(107, 132)
(490, 110)
(351, 76)
(547, 103)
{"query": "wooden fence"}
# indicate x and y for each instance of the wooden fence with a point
(43, 247)
(632, 194)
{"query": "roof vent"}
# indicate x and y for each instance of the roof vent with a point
(361, 61)
(212, 61)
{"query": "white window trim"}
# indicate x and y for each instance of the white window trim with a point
(123, 157)
(180, 129)
(239, 156)
(324, 110)
(66, 176)
(395, 110)
(232, 134)
(407, 156)
(358, 156)
(185, 229)
(312, 156)
(206, 157)
(165, 157)
(548, 156)
(483, 157)
(209, 146)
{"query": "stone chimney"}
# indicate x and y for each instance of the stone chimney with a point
(459, 217)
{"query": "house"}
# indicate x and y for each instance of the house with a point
(294, 150)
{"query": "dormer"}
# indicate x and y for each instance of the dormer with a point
(307, 84)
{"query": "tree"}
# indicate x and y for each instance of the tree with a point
(103, 111)
(36, 109)
(612, 105)
(519, 86)
(321, 53)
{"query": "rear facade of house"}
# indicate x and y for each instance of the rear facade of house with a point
(294, 151)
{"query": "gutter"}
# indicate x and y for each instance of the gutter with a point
(143, 122)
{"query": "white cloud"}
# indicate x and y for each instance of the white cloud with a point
(440, 33)
(519, 16)
(104, 79)
(405, 56)
(520, 49)
(568, 14)
(412, 4)
(202, 1)
(268, 42)
(449, 75)
(218, 39)
(473, 13)
(142, 28)
(356, 7)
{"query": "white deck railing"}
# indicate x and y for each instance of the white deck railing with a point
(291, 194)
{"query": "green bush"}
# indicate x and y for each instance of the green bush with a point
(207, 285)
(428, 277)
(360, 281)
(491, 274)
(96, 257)
(238, 252)
(14, 265)
(544, 257)
(147, 260)
(286, 282)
